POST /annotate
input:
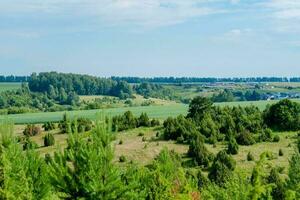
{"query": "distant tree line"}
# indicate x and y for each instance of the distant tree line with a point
(79, 84)
(14, 78)
(202, 80)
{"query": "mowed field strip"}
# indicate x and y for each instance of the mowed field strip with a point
(9, 86)
(159, 111)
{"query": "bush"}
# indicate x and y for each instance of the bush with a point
(120, 142)
(283, 116)
(245, 138)
(143, 120)
(32, 130)
(29, 144)
(280, 153)
(49, 140)
(155, 122)
(233, 147)
(180, 140)
(47, 158)
(276, 138)
(144, 139)
(48, 126)
(266, 135)
(83, 125)
(122, 159)
(199, 152)
(222, 168)
(141, 134)
(250, 157)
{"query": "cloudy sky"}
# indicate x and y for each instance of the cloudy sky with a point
(220, 38)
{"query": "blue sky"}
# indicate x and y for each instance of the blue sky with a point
(221, 38)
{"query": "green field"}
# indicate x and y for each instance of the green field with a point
(9, 86)
(160, 112)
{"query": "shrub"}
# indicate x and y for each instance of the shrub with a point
(122, 159)
(120, 142)
(180, 140)
(222, 168)
(233, 147)
(155, 122)
(245, 138)
(283, 116)
(276, 138)
(280, 153)
(141, 134)
(29, 144)
(48, 126)
(83, 125)
(157, 134)
(250, 157)
(298, 144)
(144, 139)
(143, 120)
(47, 158)
(32, 130)
(199, 152)
(49, 140)
(266, 135)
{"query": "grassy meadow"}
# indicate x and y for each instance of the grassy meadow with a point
(9, 86)
(154, 111)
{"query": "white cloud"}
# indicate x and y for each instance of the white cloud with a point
(138, 12)
(285, 14)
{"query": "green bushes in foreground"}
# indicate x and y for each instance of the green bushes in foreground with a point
(86, 170)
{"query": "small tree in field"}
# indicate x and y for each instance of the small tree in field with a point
(49, 140)
(233, 147)
(199, 152)
(32, 130)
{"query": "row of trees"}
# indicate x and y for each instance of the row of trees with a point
(80, 84)
(202, 80)
(129, 121)
(229, 96)
(24, 100)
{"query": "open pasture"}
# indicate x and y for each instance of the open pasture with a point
(9, 86)
(159, 111)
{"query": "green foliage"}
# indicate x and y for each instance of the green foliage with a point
(233, 147)
(276, 138)
(66, 87)
(266, 135)
(198, 107)
(85, 168)
(124, 122)
(48, 126)
(179, 127)
(280, 152)
(23, 174)
(199, 152)
(235, 188)
(154, 122)
(29, 144)
(222, 168)
(245, 138)
(283, 116)
(250, 157)
(224, 96)
(49, 140)
(293, 182)
(143, 120)
(122, 159)
(32, 130)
